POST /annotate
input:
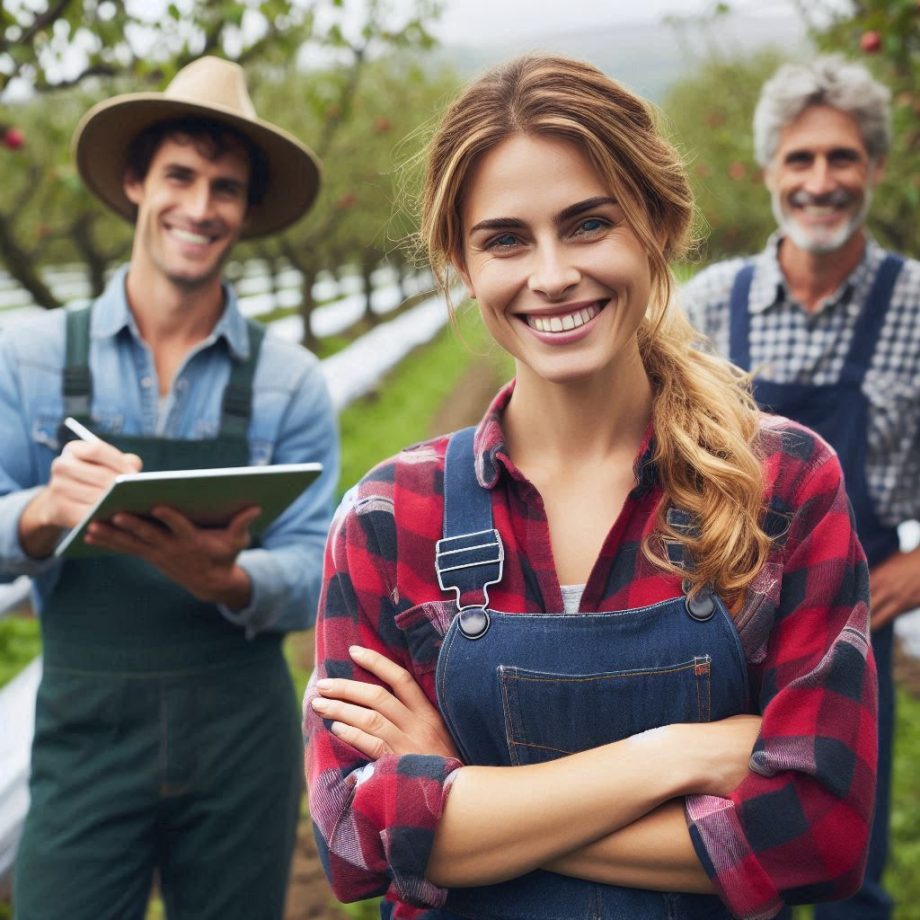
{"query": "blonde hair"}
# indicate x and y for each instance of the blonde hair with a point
(704, 417)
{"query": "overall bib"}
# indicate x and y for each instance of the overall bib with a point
(839, 412)
(519, 688)
(164, 739)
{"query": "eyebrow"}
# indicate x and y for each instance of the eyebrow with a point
(573, 210)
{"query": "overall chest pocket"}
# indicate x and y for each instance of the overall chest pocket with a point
(548, 715)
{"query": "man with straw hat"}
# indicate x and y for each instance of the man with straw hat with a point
(167, 739)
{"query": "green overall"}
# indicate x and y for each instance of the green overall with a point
(165, 740)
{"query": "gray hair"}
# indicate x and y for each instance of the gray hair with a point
(829, 81)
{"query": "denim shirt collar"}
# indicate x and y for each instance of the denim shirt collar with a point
(111, 314)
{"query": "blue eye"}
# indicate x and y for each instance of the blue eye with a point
(505, 241)
(592, 225)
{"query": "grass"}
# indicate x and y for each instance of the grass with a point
(402, 410)
(20, 643)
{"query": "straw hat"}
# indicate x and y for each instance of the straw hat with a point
(214, 89)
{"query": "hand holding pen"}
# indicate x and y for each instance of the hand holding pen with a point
(80, 474)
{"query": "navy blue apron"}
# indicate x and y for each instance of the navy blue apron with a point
(518, 688)
(839, 412)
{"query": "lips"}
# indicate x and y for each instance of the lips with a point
(564, 322)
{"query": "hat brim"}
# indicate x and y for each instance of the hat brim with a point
(104, 135)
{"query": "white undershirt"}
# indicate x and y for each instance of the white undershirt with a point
(571, 597)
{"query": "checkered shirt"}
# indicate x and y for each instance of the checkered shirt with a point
(789, 345)
(796, 828)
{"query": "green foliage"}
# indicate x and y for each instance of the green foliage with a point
(20, 643)
(401, 413)
(885, 36)
(47, 217)
(902, 877)
(710, 115)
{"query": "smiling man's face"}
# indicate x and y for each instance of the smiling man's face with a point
(821, 179)
(191, 209)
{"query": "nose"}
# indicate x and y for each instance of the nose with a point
(198, 201)
(553, 273)
(819, 180)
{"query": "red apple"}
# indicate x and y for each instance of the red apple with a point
(870, 42)
(13, 138)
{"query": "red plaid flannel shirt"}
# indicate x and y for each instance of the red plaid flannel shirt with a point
(794, 831)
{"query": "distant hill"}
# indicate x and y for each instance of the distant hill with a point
(647, 57)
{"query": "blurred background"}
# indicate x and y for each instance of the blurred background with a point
(361, 81)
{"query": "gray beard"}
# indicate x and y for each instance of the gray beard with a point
(827, 241)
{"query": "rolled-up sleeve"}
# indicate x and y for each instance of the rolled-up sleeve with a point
(796, 830)
(374, 821)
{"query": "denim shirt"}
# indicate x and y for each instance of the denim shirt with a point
(292, 422)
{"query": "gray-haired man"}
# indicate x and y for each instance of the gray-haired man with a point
(830, 324)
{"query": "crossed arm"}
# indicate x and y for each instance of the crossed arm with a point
(613, 814)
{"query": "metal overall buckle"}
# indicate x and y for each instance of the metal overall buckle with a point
(464, 552)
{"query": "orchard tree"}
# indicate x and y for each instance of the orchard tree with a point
(58, 57)
(363, 119)
(710, 114)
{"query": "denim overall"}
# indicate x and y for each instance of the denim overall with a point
(164, 739)
(519, 688)
(839, 412)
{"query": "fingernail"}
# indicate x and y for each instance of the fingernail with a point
(324, 684)
(337, 728)
(356, 651)
(320, 704)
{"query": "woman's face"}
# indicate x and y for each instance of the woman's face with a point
(562, 280)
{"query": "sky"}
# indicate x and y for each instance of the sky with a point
(472, 22)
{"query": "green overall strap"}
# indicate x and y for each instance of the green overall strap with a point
(237, 405)
(78, 382)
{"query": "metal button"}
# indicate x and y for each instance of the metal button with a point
(474, 622)
(701, 607)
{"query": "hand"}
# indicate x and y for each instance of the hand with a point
(79, 477)
(718, 753)
(201, 559)
(377, 721)
(895, 587)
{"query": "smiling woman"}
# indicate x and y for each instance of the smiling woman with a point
(605, 598)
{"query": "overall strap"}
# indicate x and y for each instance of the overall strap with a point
(470, 557)
(77, 385)
(236, 409)
(739, 348)
(868, 326)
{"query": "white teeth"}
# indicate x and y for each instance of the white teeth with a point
(188, 237)
(564, 322)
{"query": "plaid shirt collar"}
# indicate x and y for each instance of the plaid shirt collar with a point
(492, 455)
(769, 289)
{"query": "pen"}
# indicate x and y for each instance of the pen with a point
(81, 431)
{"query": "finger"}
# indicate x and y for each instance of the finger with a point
(398, 678)
(70, 468)
(104, 454)
(149, 532)
(366, 720)
(175, 521)
(372, 748)
(369, 697)
(882, 614)
(107, 537)
(242, 521)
